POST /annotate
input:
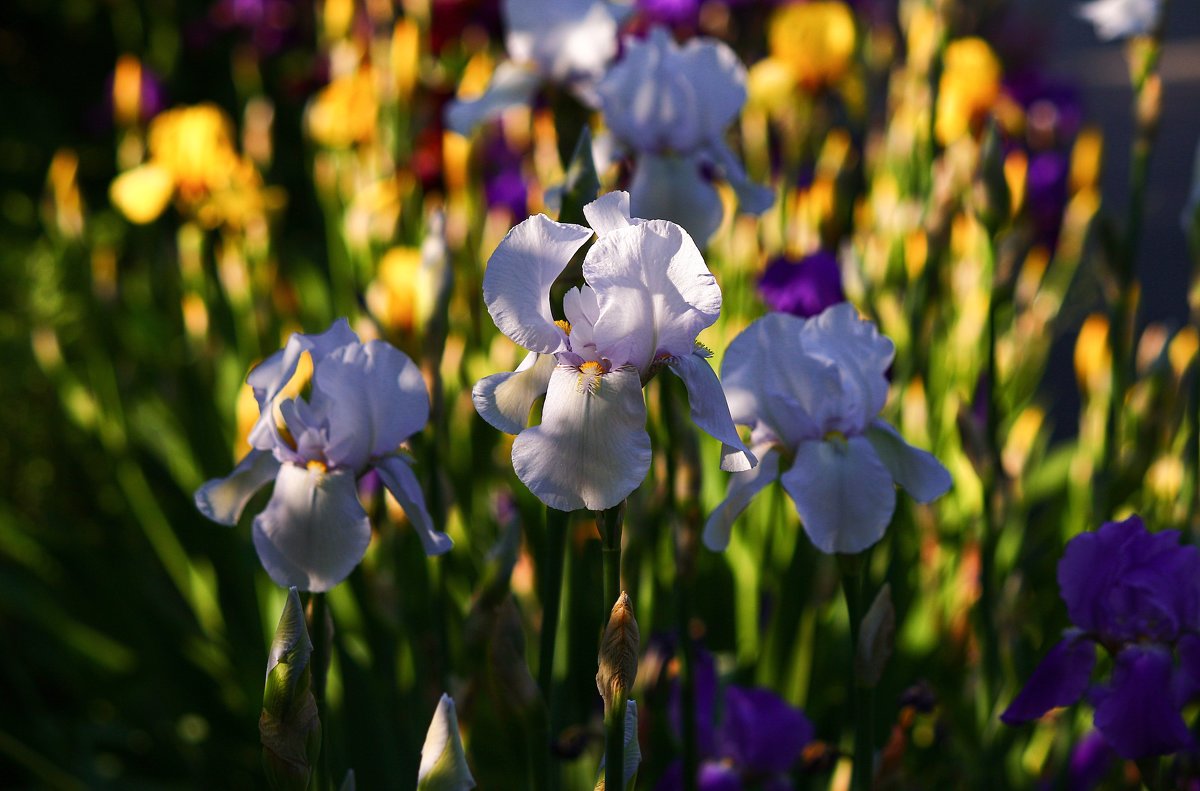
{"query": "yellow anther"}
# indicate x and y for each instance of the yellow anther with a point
(317, 466)
(563, 325)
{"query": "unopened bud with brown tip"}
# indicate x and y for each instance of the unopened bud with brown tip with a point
(618, 657)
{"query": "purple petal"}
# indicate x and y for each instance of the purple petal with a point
(711, 777)
(761, 732)
(1137, 712)
(1060, 680)
(705, 671)
(1090, 762)
(803, 288)
(1187, 677)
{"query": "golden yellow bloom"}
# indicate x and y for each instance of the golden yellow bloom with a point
(769, 84)
(401, 295)
(127, 90)
(816, 40)
(969, 88)
(344, 112)
(141, 194)
(195, 145)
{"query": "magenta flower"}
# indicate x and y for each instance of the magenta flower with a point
(1136, 594)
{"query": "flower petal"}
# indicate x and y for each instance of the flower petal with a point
(862, 356)
(504, 399)
(671, 188)
(567, 40)
(742, 488)
(761, 732)
(512, 85)
(706, 401)
(752, 198)
(591, 449)
(1136, 712)
(270, 377)
(400, 480)
(843, 493)
(314, 531)
(917, 471)
(516, 285)
(609, 212)
(222, 499)
(1060, 679)
(719, 79)
(443, 760)
(373, 397)
(654, 290)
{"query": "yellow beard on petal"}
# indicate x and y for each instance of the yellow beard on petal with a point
(590, 374)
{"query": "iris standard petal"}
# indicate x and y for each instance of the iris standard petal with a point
(516, 285)
(862, 356)
(591, 449)
(568, 40)
(1136, 712)
(400, 480)
(314, 531)
(222, 499)
(671, 188)
(609, 212)
(720, 81)
(512, 85)
(917, 471)
(1059, 680)
(504, 399)
(706, 401)
(654, 290)
(373, 397)
(273, 375)
(742, 488)
(843, 493)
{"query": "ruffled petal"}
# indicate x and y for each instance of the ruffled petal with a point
(273, 375)
(742, 488)
(862, 356)
(843, 493)
(719, 79)
(400, 480)
(512, 85)
(706, 401)
(1137, 712)
(1059, 680)
(917, 471)
(761, 732)
(591, 449)
(373, 397)
(609, 212)
(314, 531)
(516, 285)
(504, 399)
(671, 188)
(654, 290)
(222, 499)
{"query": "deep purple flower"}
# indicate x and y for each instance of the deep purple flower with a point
(1090, 761)
(759, 735)
(669, 12)
(1046, 194)
(1137, 595)
(803, 288)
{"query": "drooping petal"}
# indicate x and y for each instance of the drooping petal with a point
(761, 732)
(512, 85)
(222, 499)
(742, 488)
(516, 285)
(569, 41)
(752, 198)
(373, 397)
(314, 531)
(609, 212)
(843, 493)
(274, 375)
(671, 188)
(1059, 680)
(400, 480)
(1136, 712)
(706, 401)
(504, 399)
(917, 471)
(654, 290)
(591, 449)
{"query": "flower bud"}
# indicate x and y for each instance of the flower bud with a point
(289, 727)
(443, 761)
(876, 638)
(618, 653)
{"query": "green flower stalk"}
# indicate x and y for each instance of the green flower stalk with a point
(289, 726)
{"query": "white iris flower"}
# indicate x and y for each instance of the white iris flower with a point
(671, 106)
(365, 400)
(1115, 19)
(648, 294)
(811, 390)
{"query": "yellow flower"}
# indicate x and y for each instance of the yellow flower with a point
(769, 84)
(969, 88)
(816, 40)
(344, 112)
(401, 295)
(195, 144)
(141, 194)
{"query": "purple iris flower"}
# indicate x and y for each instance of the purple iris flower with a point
(670, 12)
(1046, 194)
(504, 183)
(759, 738)
(803, 288)
(1136, 594)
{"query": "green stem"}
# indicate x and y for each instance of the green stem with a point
(861, 695)
(614, 745)
(551, 572)
(317, 617)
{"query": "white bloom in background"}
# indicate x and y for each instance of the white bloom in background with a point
(811, 390)
(648, 294)
(443, 760)
(365, 400)
(671, 106)
(565, 42)
(1115, 19)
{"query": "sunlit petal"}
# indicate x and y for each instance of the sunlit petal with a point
(222, 499)
(742, 488)
(512, 85)
(400, 480)
(504, 399)
(706, 401)
(671, 188)
(917, 471)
